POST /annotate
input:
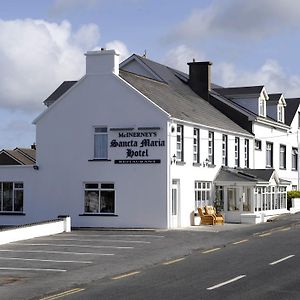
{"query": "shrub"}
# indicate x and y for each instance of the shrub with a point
(290, 196)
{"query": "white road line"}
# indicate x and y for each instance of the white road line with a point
(33, 269)
(226, 282)
(280, 260)
(73, 245)
(126, 275)
(211, 250)
(119, 235)
(170, 262)
(57, 252)
(86, 240)
(46, 260)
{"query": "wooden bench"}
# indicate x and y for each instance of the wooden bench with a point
(211, 211)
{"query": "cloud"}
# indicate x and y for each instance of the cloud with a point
(36, 56)
(120, 47)
(60, 7)
(178, 57)
(254, 19)
(270, 74)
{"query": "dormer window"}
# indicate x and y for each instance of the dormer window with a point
(262, 107)
(280, 113)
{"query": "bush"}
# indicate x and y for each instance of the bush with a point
(290, 196)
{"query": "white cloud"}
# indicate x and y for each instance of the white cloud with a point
(244, 19)
(120, 47)
(270, 74)
(36, 56)
(178, 57)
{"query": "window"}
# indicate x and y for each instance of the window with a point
(179, 143)
(99, 198)
(237, 152)
(294, 159)
(232, 200)
(11, 196)
(298, 119)
(100, 143)
(294, 188)
(246, 153)
(257, 145)
(211, 148)
(247, 199)
(282, 157)
(282, 196)
(196, 146)
(261, 111)
(202, 194)
(224, 150)
(269, 155)
(280, 113)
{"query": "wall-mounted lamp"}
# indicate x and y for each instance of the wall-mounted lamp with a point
(173, 159)
(205, 162)
(36, 167)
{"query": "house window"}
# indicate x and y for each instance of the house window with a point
(100, 143)
(246, 153)
(237, 152)
(280, 113)
(224, 150)
(257, 144)
(282, 196)
(269, 155)
(196, 146)
(99, 198)
(294, 159)
(179, 143)
(282, 157)
(261, 107)
(11, 196)
(232, 200)
(294, 187)
(202, 193)
(211, 148)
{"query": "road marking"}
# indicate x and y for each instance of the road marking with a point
(285, 229)
(125, 275)
(47, 260)
(240, 242)
(226, 282)
(57, 252)
(173, 261)
(120, 235)
(265, 234)
(113, 241)
(63, 294)
(33, 269)
(74, 245)
(280, 260)
(211, 250)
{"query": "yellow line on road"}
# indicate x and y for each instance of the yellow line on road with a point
(240, 242)
(285, 229)
(265, 234)
(211, 250)
(63, 294)
(173, 261)
(125, 275)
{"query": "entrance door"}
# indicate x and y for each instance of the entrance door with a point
(175, 204)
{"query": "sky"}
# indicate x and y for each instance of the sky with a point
(42, 44)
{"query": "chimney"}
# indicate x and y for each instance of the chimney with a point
(102, 62)
(33, 146)
(199, 78)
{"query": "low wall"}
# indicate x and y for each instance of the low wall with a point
(29, 231)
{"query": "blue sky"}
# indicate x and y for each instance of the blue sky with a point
(42, 44)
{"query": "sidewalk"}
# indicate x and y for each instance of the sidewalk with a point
(214, 228)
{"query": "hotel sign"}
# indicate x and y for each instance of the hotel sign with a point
(137, 144)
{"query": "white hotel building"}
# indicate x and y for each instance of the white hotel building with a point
(143, 145)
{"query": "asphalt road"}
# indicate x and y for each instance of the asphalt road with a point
(148, 264)
(263, 266)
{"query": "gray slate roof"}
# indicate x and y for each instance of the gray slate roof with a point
(273, 98)
(176, 98)
(292, 105)
(17, 156)
(246, 90)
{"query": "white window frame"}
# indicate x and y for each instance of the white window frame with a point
(15, 188)
(282, 156)
(294, 159)
(100, 142)
(237, 152)
(100, 189)
(211, 146)
(203, 193)
(262, 107)
(280, 113)
(196, 152)
(246, 153)
(269, 155)
(224, 149)
(179, 143)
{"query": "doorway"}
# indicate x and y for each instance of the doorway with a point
(175, 222)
